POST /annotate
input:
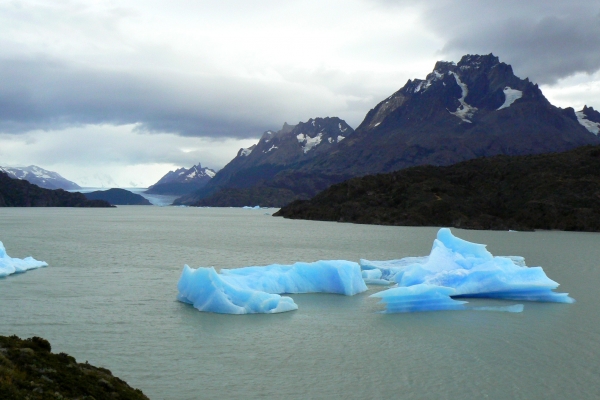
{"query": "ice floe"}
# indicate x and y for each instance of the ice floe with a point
(9, 265)
(458, 268)
(257, 289)
(454, 269)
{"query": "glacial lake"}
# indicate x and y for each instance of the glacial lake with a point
(108, 297)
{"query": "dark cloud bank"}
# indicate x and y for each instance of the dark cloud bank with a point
(543, 40)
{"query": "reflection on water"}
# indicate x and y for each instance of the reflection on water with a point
(109, 297)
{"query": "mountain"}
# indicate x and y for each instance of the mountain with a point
(544, 191)
(182, 181)
(21, 193)
(41, 177)
(118, 197)
(275, 154)
(476, 108)
(590, 119)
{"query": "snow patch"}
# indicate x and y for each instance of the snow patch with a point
(309, 143)
(342, 129)
(245, 152)
(593, 127)
(210, 173)
(464, 111)
(510, 95)
(340, 138)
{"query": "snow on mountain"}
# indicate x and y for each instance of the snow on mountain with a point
(464, 111)
(510, 96)
(182, 180)
(590, 119)
(40, 177)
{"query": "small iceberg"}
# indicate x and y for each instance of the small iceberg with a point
(9, 265)
(457, 268)
(258, 289)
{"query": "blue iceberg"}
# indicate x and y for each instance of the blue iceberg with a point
(9, 265)
(458, 268)
(257, 289)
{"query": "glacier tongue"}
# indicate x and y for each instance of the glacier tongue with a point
(9, 265)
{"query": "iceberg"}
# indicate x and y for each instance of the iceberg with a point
(9, 265)
(458, 268)
(257, 289)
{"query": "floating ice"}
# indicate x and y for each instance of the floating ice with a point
(9, 265)
(256, 289)
(207, 291)
(421, 297)
(460, 269)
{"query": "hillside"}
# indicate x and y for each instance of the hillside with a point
(40, 177)
(549, 191)
(20, 193)
(29, 370)
(118, 197)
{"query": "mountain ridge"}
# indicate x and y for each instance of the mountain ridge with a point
(460, 111)
(40, 177)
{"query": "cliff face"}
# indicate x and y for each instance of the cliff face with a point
(546, 191)
(20, 193)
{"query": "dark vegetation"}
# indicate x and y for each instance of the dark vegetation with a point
(29, 370)
(118, 197)
(548, 191)
(20, 193)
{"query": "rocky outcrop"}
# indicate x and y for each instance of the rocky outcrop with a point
(29, 370)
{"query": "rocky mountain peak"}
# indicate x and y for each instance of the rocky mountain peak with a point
(590, 119)
(477, 85)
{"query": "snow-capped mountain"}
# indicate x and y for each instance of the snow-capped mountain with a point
(460, 111)
(182, 180)
(277, 151)
(590, 119)
(40, 177)
(475, 108)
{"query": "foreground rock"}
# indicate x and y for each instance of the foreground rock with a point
(29, 370)
(118, 197)
(20, 193)
(549, 191)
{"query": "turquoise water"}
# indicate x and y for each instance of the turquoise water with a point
(108, 297)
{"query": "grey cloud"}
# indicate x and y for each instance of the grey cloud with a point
(41, 93)
(545, 40)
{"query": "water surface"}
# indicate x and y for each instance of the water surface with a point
(109, 297)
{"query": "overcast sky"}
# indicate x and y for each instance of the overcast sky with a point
(116, 93)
